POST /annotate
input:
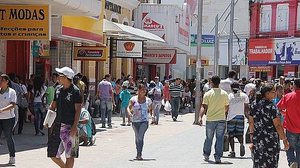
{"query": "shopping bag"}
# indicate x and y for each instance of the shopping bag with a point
(49, 119)
(168, 106)
(163, 102)
(226, 143)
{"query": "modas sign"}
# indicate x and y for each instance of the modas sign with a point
(24, 22)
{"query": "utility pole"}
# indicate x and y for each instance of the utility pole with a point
(216, 50)
(230, 45)
(198, 64)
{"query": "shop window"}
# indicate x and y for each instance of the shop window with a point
(265, 18)
(282, 17)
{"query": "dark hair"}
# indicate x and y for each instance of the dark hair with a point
(244, 79)
(231, 74)
(140, 86)
(235, 87)
(37, 86)
(277, 87)
(6, 77)
(297, 82)
(107, 76)
(215, 80)
(287, 81)
(55, 74)
(265, 89)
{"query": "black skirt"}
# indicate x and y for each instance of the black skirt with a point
(53, 140)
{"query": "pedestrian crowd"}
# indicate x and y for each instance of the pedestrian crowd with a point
(271, 111)
(269, 108)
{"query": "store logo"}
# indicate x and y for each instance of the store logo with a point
(129, 46)
(151, 24)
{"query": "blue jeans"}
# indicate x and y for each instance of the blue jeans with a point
(213, 127)
(106, 109)
(293, 154)
(7, 125)
(38, 116)
(156, 109)
(175, 104)
(140, 129)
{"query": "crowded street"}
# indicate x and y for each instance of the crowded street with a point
(167, 145)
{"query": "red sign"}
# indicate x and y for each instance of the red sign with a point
(160, 56)
(260, 50)
(153, 22)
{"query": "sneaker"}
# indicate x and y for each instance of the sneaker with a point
(242, 150)
(109, 126)
(218, 161)
(103, 126)
(294, 165)
(206, 158)
(123, 124)
(174, 119)
(231, 154)
(128, 124)
(12, 160)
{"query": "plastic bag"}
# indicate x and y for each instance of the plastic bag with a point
(168, 106)
(163, 102)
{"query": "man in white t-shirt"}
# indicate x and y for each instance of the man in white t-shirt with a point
(226, 83)
(238, 109)
(249, 87)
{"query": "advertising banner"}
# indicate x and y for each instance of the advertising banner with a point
(24, 22)
(184, 27)
(129, 49)
(153, 22)
(160, 56)
(274, 51)
(239, 52)
(90, 53)
(40, 48)
(207, 40)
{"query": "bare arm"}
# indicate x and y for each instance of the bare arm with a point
(246, 111)
(76, 119)
(205, 107)
(279, 129)
(8, 107)
(53, 106)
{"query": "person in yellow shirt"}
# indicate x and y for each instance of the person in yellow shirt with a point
(215, 104)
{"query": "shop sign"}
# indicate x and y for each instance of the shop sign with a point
(24, 22)
(207, 40)
(204, 62)
(113, 7)
(184, 27)
(160, 56)
(260, 69)
(153, 22)
(129, 49)
(90, 53)
(40, 48)
(274, 51)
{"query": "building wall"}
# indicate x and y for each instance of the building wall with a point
(3, 56)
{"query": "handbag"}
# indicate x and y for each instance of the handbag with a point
(226, 140)
(23, 102)
(226, 143)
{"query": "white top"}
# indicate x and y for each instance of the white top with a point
(186, 94)
(206, 87)
(38, 99)
(226, 84)
(249, 87)
(140, 111)
(5, 99)
(24, 89)
(236, 104)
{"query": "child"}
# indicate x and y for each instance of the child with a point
(125, 97)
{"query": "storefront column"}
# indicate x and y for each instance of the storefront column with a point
(293, 5)
(3, 50)
(117, 68)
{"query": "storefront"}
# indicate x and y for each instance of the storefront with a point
(282, 55)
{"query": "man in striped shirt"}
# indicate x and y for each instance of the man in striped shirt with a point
(176, 90)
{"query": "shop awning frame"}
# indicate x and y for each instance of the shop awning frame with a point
(116, 29)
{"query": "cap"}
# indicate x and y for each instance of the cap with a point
(156, 77)
(68, 72)
(125, 84)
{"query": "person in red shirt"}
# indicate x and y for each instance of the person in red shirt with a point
(290, 105)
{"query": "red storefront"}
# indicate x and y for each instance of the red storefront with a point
(275, 23)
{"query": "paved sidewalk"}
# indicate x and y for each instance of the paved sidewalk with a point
(169, 144)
